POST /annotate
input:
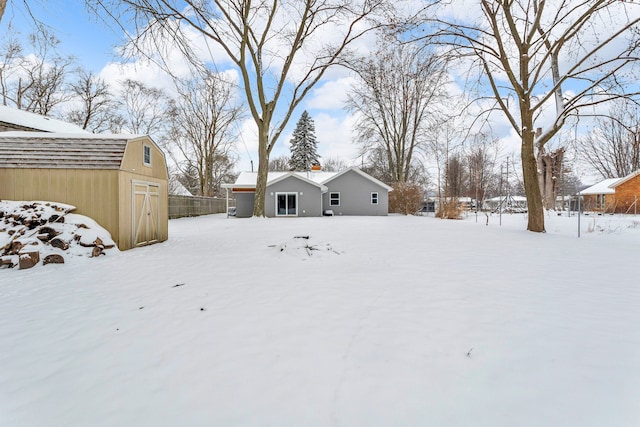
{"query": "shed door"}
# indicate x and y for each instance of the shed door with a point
(146, 197)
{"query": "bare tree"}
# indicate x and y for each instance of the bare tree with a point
(281, 49)
(455, 176)
(96, 111)
(517, 47)
(144, 108)
(3, 6)
(280, 164)
(550, 167)
(10, 58)
(481, 157)
(612, 148)
(34, 82)
(395, 99)
(203, 129)
(444, 138)
(334, 164)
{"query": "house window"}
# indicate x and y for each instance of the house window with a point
(334, 199)
(146, 155)
(286, 204)
(601, 201)
(374, 198)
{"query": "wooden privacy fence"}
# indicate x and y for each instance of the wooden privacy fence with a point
(181, 206)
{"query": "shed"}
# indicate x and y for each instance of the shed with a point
(118, 180)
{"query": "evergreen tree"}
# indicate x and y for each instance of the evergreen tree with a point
(304, 145)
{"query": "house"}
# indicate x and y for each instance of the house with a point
(313, 193)
(511, 204)
(118, 180)
(12, 119)
(613, 195)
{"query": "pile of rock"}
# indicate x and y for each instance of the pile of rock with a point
(41, 233)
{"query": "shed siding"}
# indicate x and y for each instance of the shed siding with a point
(309, 196)
(93, 193)
(125, 210)
(355, 196)
(133, 160)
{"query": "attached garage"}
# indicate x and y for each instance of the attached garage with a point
(118, 180)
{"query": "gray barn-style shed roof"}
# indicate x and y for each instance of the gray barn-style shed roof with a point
(41, 150)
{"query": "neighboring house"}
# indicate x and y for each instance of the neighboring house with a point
(512, 204)
(12, 119)
(118, 180)
(619, 195)
(313, 193)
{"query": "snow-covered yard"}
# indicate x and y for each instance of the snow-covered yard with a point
(392, 321)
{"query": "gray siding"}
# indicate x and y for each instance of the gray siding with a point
(244, 204)
(355, 196)
(309, 196)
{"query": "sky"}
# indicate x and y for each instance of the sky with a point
(93, 42)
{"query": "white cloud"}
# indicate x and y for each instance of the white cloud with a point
(330, 95)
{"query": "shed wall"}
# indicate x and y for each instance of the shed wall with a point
(93, 192)
(133, 160)
(355, 196)
(125, 223)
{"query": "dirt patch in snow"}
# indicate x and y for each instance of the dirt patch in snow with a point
(304, 247)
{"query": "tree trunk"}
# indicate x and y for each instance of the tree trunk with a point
(263, 170)
(531, 185)
(550, 167)
(3, 5)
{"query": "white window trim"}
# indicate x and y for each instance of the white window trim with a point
(331, 200)
(377, 198)
(144, 148)
(285, 193)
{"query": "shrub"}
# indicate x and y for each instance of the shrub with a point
(406, 198)
(449, 209)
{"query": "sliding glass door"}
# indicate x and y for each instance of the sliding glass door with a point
(286, 204)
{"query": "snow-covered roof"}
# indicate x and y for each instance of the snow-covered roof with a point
(43, 150)
(512, 198)
(247, 180)
(28, 120)
(626, 178)
(176, 188)
(606, 186)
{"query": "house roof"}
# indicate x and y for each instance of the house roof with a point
(43, 150)
(247, 180)
(626, 178)
(36, 122)
(606, 186)
(359, 172)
